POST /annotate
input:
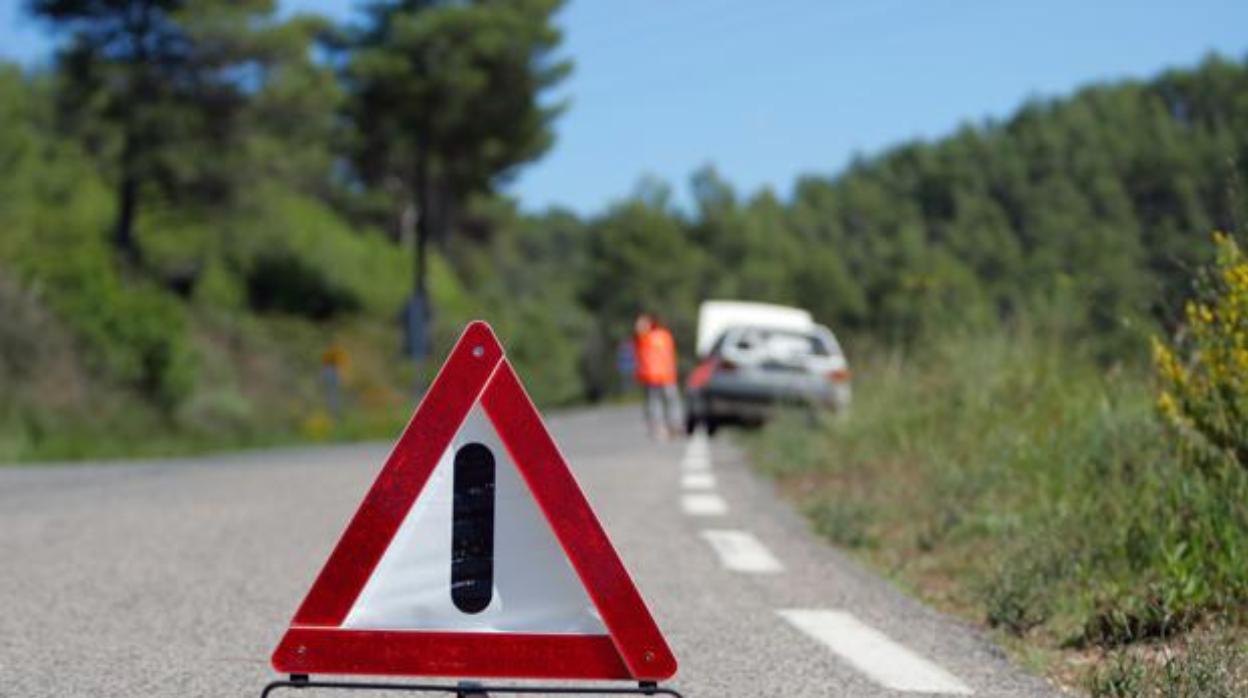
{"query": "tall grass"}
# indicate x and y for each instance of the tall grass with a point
(1008, 477)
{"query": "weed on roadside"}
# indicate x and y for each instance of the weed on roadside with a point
(843, 521)
(1208, 667)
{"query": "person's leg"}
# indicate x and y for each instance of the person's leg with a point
(671, 407)
(648, 408)
(657, 410)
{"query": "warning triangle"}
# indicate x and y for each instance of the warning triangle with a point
(475, 553)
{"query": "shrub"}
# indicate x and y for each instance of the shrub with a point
(148, 330)
(1204, 372)
(305, 238)
(843, 521)
(1208, 667)
(131, 332)
(24, 330)
(1018, 596)
(1123, 676)
(285, 283)
(1157, 611)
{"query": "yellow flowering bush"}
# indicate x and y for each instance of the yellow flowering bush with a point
(1204, 372)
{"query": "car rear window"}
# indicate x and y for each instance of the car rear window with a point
(776, 344)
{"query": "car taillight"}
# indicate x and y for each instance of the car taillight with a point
(840, 375)
(702, 373)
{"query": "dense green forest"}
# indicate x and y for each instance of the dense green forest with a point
(188, 220)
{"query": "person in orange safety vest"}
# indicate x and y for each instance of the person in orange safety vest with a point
(655, 356)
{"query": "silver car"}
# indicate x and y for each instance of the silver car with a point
(750, 370)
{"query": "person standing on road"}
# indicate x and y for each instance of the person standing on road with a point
(655, 355)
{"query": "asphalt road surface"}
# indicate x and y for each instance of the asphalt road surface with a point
(177, 578)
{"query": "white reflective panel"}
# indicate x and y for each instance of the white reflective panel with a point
(535, 588)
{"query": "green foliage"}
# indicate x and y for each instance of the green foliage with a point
(1204, 378)
(159, 91)
(842, 521)
(135, 333)
(1123, 677)
(445, 100)
(1207, 667)
(453, 88)
(1081, 206)
(640, 258)
(524, 280)
(129, 330)
(308, 162)
(37, 360)
(1006, 473)
(1016, 595)
(358, 267)
(284, 283)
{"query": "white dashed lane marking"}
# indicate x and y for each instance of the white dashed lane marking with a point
(695, 464)
(698, 481)
(703, 505)
(740, 551)
(871, 652)
(866, 649)
(697, 455)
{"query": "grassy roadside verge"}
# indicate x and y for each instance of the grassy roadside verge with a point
(1006, 478)
(257, 383)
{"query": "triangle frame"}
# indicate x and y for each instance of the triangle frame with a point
(476, 370)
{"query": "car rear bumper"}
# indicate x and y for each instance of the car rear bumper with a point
(759, 404)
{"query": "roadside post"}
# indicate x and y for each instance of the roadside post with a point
(416, 319)
(333, 367)
(475, 555)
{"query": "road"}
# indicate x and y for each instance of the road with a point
(178, 577)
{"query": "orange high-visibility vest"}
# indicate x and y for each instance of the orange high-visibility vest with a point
(656, 357)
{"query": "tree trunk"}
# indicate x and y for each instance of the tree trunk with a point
(418, 311)
(424, 226)
(421, 268)
(127, 208)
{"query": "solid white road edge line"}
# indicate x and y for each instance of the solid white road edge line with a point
(698, 481)
(868, 650)
(703, 504)
(740, 551)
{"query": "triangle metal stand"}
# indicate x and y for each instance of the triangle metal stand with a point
(469, 689)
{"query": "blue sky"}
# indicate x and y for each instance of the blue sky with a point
(767, 91)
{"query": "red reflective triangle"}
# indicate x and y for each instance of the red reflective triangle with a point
(316, 642)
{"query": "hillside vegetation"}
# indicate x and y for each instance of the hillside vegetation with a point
(257, 245)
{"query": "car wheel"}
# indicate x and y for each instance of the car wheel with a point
(712, 426)
(691, 425)
(813, 417)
